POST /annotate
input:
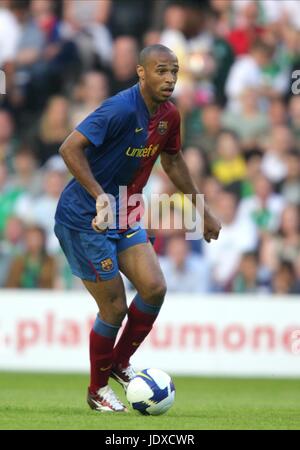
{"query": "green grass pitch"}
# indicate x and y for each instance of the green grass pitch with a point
(57, 401)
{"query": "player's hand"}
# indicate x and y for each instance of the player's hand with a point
(212, 226)
(105, 216)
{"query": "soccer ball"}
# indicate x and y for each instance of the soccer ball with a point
(151, 392)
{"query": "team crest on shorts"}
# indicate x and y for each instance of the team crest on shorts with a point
(106, 264)
(162, 127)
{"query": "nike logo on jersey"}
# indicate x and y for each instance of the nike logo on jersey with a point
(132, 234)
(137, 130)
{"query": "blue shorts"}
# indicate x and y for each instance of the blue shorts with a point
(94, 256)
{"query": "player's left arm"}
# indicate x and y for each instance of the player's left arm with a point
(176, 169)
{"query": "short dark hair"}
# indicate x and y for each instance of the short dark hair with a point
(229, 132)
(293, 152)
(251, 254)
(263, 47)
(147, 51)
(253, 153)
(19, 5)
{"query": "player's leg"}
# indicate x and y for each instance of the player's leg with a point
(140, 264)
(93, 258)
(110, 298)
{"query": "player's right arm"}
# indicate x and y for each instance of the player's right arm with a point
(72, 151)
(106, 123)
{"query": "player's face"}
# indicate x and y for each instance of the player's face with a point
(160, 76)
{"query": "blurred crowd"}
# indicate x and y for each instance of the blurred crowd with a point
(240, 131)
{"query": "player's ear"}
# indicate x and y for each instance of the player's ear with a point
(141, 72)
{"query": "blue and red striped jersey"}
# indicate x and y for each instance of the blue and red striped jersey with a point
(125, 142)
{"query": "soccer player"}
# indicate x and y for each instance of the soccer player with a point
(114, 146)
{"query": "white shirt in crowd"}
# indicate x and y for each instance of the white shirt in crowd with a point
(224, 255)
(10, 33)
(194, 277)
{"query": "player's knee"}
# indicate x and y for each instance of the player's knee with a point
(114, 311)
(155, 292)
(119, 310)
(161, 291)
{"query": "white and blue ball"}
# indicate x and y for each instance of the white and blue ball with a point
(151, 392)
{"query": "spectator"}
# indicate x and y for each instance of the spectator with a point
(247, 72)
(281, 12)
(250, 124)
(151, 37)
(186, 35)
(89, 94)
(239, 235)
(173, 37)
(129, 18)
(123, 68)
(277, 113)
(59, 61)
(253, 159)
(8, 197)
(8, 142)
(52, 129)
(41, 210)
(247, 278)
(294, 113)
(191, 126)
(274, 165)
(242, 37)
(29, 52)
(208, 131)
(297, 274)
(10, 32)
(10, 246)
(290, 186)
(197, 165)
(26, 176)
(211, 190)
(183, 270)
(35, 268)
(229, 166)
(224, 11)
(284, 280)
(85, 22)
(264, 207)
(285, 246)
(223, 55)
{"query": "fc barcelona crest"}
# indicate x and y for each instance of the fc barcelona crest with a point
(162, 127)
(106, 264)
